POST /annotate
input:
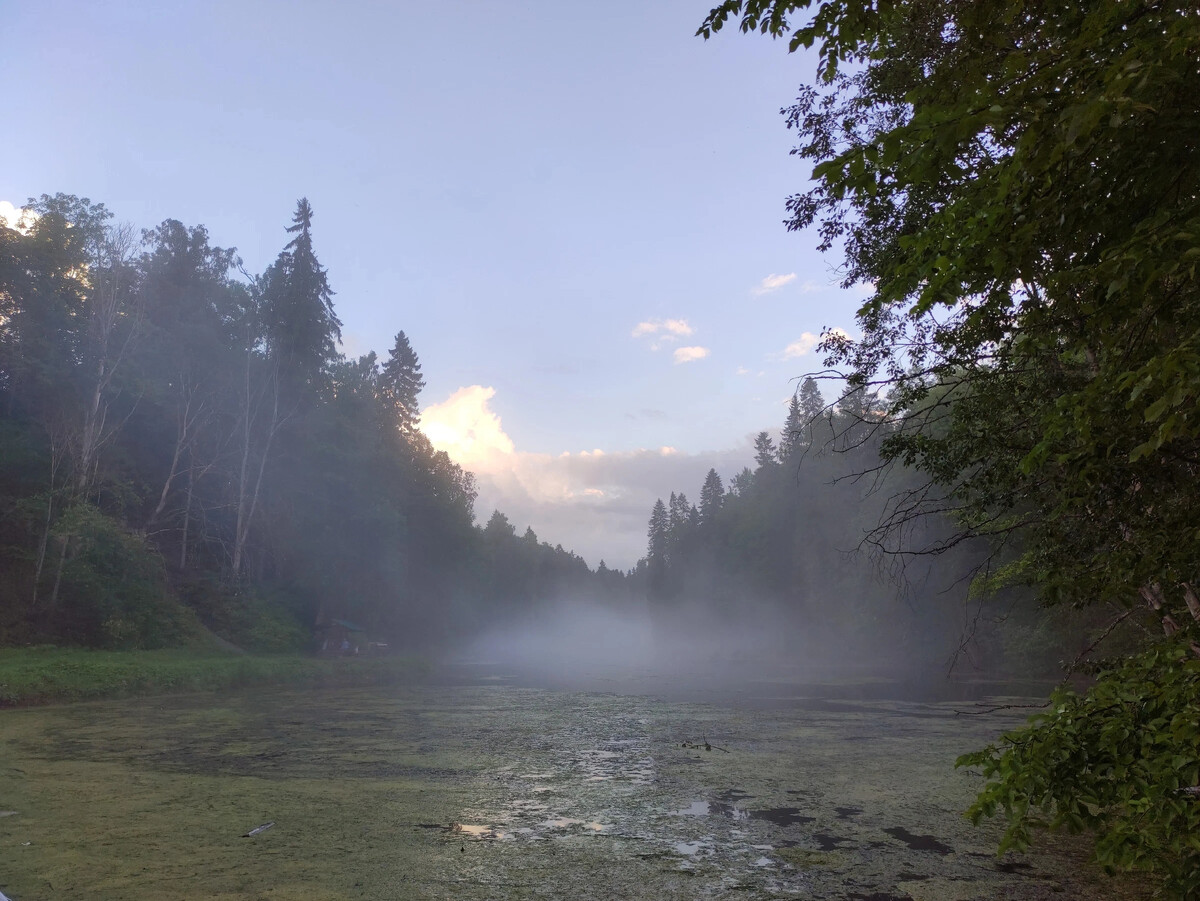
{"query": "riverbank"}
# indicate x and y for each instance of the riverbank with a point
(49, 675)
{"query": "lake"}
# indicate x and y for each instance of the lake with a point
(492, 784)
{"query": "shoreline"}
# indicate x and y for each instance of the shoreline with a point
(41, 676)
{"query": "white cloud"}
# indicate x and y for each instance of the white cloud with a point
(677, 326)
(690, 354)
(11, 214)
(742, 370)
(665, 329)
(595, 503)
(808, 341)
(645, 328)
(774, 282)
(801, 346)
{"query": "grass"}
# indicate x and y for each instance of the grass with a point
(50, 675)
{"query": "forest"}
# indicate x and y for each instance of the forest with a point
(995, 473)
(184, 447)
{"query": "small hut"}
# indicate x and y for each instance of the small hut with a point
(341, 638)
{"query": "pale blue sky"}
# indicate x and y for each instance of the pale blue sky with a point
(515, 185)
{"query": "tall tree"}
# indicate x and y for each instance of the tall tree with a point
(792, 436)
(656, 531)
(712, 498)
(299, 325)
(401, 382)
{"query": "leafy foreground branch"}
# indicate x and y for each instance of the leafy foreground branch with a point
(1122, 760)
(1019, 184)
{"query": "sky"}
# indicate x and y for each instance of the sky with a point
(573, 210)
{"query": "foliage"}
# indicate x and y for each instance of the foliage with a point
(1122, 759)
(113, 591)
(1020, 185)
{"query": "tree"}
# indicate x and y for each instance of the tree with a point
(792, 436)
(401, 382)
(296, 309)
(712, 497)
(765, 455)
(656, 532)
(1020, 184)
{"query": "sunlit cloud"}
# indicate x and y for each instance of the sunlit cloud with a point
(690, 354)
(10, 215)
(464, 427)
(594, 502)
(774, 282)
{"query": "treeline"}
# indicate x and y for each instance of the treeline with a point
(816, 535)
(180, 439)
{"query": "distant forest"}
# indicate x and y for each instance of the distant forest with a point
(183, 447)
(181, 443)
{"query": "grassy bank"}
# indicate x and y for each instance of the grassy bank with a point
(49, 675)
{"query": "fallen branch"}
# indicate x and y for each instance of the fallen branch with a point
(703, 745)
(992, 708)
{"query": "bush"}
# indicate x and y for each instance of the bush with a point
(113, 593)
(1121, 760)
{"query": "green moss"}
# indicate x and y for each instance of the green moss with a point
(805, 859)
(45, 675)
(558, 795)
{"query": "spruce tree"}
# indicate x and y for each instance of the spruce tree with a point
(712, 497)
(401, 382)
(296, 305)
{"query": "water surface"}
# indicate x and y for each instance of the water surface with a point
(487, 787)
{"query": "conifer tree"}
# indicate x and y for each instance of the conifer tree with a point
(401, 382)
(764, 450)
(792, 436)
(712, 497)
(296, 306)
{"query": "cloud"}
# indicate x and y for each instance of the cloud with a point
(774, 282)
(801, 346)
(10, 214)
(464, 427)
(808, 341)
(690, 354)
(665, 329)
(593, 502)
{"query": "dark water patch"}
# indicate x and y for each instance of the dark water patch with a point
(918, 842)
(828, 842)
(728, 811)
(847, 813)
(878, 896)
(911, 877)
(782, 816)
(1013, 866)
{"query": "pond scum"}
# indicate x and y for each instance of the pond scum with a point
(500, 792)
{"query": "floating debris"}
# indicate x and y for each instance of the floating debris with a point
(257, 829)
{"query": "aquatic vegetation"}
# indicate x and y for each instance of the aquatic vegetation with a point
(483, 792)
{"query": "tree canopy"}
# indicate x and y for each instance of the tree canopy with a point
(1020, 184)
